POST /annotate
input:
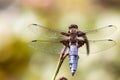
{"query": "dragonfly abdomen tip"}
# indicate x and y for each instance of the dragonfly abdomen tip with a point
(73, 73)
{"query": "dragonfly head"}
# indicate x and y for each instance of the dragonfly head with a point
(73, 28)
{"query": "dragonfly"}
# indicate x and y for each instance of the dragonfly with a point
(72, 42)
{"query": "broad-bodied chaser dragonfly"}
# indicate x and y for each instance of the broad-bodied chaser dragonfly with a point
(73, 40)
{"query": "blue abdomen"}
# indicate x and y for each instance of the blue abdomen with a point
(73, 59)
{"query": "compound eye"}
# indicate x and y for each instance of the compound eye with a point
(73, 26)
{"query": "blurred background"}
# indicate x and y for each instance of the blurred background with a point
(20, 62)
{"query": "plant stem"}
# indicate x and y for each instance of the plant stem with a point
(61, 59)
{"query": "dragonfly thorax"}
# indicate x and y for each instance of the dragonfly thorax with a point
(73, 36)
(73, 42)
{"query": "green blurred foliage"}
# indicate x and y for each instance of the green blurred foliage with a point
(14, 59)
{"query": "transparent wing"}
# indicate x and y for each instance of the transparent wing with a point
(101, 33)
(47, 46)
(97, 46)
(44, 32)
(50, 46)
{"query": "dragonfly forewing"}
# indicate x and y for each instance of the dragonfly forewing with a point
(45, 32)
(101, 32)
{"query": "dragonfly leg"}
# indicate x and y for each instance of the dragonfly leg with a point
(63, 52)
(65, 42)
(62, 55)
(66, 55)
(66, 45)
(80, 43)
